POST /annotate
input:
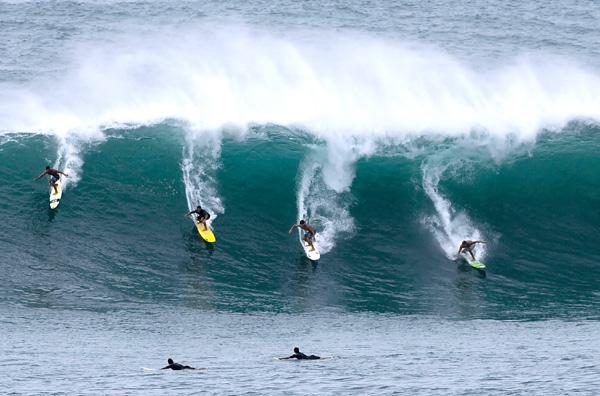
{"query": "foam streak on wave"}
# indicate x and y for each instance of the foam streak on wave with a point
(323, 198)
(69, 158)
(199, 165)
(448, 225)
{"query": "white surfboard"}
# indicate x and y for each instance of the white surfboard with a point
(54, 197)
(312, 254)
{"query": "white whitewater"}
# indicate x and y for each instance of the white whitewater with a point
(199, 165)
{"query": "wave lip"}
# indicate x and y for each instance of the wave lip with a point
(341, 85)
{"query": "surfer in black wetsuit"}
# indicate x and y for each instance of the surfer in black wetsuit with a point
(467, 246)
(176, 366)
(300, 356)
(201, 215)
(309, 232)
(54, 177)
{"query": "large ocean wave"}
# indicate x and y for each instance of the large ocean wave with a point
(338, 99)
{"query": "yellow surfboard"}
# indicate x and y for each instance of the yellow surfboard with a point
(54, 197)
(206, 233)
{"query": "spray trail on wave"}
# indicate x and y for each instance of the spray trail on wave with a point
(199, 165)
(323, 198)
(69, 158)
(448, 225)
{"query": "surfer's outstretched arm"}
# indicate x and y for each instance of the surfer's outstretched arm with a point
(292, 228)
(41, 175)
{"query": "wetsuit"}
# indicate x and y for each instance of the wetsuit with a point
(301, 356)
(177, 366)
(202, 214)
(54, 175)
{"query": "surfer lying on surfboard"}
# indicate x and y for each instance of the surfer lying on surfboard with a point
(201, 215)
(309, 232)
(300, 356)
(54, 176)
(176, 366)
(467, 247)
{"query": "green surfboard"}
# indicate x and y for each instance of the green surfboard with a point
(473, 263)
(476, 264)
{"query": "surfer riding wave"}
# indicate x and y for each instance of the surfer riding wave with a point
(54, 177)
(467, 247)
(201, 215)
(309, 233)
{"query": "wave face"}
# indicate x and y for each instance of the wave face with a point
(119, 236)
(396, 143)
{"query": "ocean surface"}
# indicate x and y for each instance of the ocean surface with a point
(397, 129)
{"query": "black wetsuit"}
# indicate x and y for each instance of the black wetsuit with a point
(202, 214)
(301, 356)
(54, 175)
(177, 366)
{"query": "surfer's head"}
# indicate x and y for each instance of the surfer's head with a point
(302, 222)
(198, 207)
(296, 350)
(170, 361)
(47, 167)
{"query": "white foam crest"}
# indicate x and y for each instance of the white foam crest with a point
(68, 156)
(200, 162)
(320, 205)
(342, 152)
(330, 83)
(448, 225)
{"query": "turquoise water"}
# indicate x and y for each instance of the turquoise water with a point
(398, 129)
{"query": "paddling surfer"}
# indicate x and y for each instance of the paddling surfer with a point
(301, 356)
(309, 232)
(54, 177)
(201, 215)
(467, 246)
(177, 366)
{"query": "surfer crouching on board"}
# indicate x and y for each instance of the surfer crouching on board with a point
(201, 215)
(300, 356)
(176, 366)
(467, 246)
(54, 177)
(309, 232)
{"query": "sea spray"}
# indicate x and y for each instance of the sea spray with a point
(200, 161)
(319, 203)
(352, 85)
(448, 225)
